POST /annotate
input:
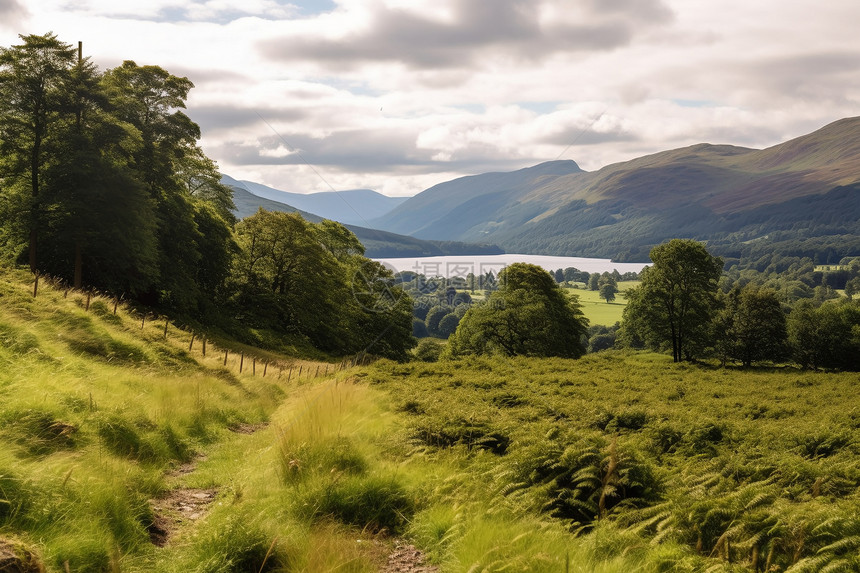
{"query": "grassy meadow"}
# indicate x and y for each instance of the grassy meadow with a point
(611, 463)
(596, 309)
(630, 463)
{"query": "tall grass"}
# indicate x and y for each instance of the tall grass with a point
(615, 462)
(671, 467)
(94, 411)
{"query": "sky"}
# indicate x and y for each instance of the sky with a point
(399, 95)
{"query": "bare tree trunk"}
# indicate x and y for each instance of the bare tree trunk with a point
(79, 263)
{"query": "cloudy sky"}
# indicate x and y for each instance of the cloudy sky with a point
(398, 95)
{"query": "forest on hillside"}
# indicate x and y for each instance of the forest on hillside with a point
(104, 186)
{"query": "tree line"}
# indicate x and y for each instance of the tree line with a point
(103, 184)
(679, 305)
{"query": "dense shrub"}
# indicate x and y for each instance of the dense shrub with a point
(445, 433)
(367, 502)
(429, 350)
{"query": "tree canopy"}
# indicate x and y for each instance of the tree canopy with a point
(101, 175)
(310, 279)
(529, 315)
(752, 326)
(677, 298)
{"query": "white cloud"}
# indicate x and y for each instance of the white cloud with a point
(398, 96)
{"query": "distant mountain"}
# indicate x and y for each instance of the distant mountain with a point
(377, 244)
(473, 206)
(800, 190)
(356, 206)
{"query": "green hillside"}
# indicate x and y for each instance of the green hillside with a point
(377, 244)
(122, 449)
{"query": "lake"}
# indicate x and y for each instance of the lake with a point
(462, 265)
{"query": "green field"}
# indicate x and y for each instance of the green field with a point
(596, 309)
(121, 450)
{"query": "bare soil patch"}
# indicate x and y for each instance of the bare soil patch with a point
(16, 558)
(179, 506)
(406, 558)
(248, 429)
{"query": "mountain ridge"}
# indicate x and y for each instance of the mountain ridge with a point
(377, 243)
(353, 206)
(713, 192)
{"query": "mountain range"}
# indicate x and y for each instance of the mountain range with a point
(801, 197)
(377, 243)
(353, 207)
(726, 195)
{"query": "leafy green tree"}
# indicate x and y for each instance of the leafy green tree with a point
(217, 246)
(380, 313)
(448, 325)
(33, 84)
(429, 350)
(594, 281)
(419, 329)
(601, 337)
(852, 287)
(608, 288)
(200, 178)
(827, 336)
(529, 315)
(462, 299)
(282, 271)
(676, 300)
(434, 317)
(571, 274)
(752, 326)
(98, 216)
(177, 176)
(338, 240)
(292, 276)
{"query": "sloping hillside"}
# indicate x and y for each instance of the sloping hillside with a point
(474, 206)
(377, 244)
(354, 206)
(806, 187)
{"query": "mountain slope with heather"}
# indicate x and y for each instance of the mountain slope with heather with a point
(803, 190)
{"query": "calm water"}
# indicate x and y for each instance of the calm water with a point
(462, 265)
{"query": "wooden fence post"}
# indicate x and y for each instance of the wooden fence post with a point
(241, 362)
(36, 284)
(166, 322)
(87, 308)
(254, 366)
(191, 344)
(225, 357)
(204, 347)
(265, 367)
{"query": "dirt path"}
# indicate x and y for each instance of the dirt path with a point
(181, 506)
(406, 558)
(178, 507)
